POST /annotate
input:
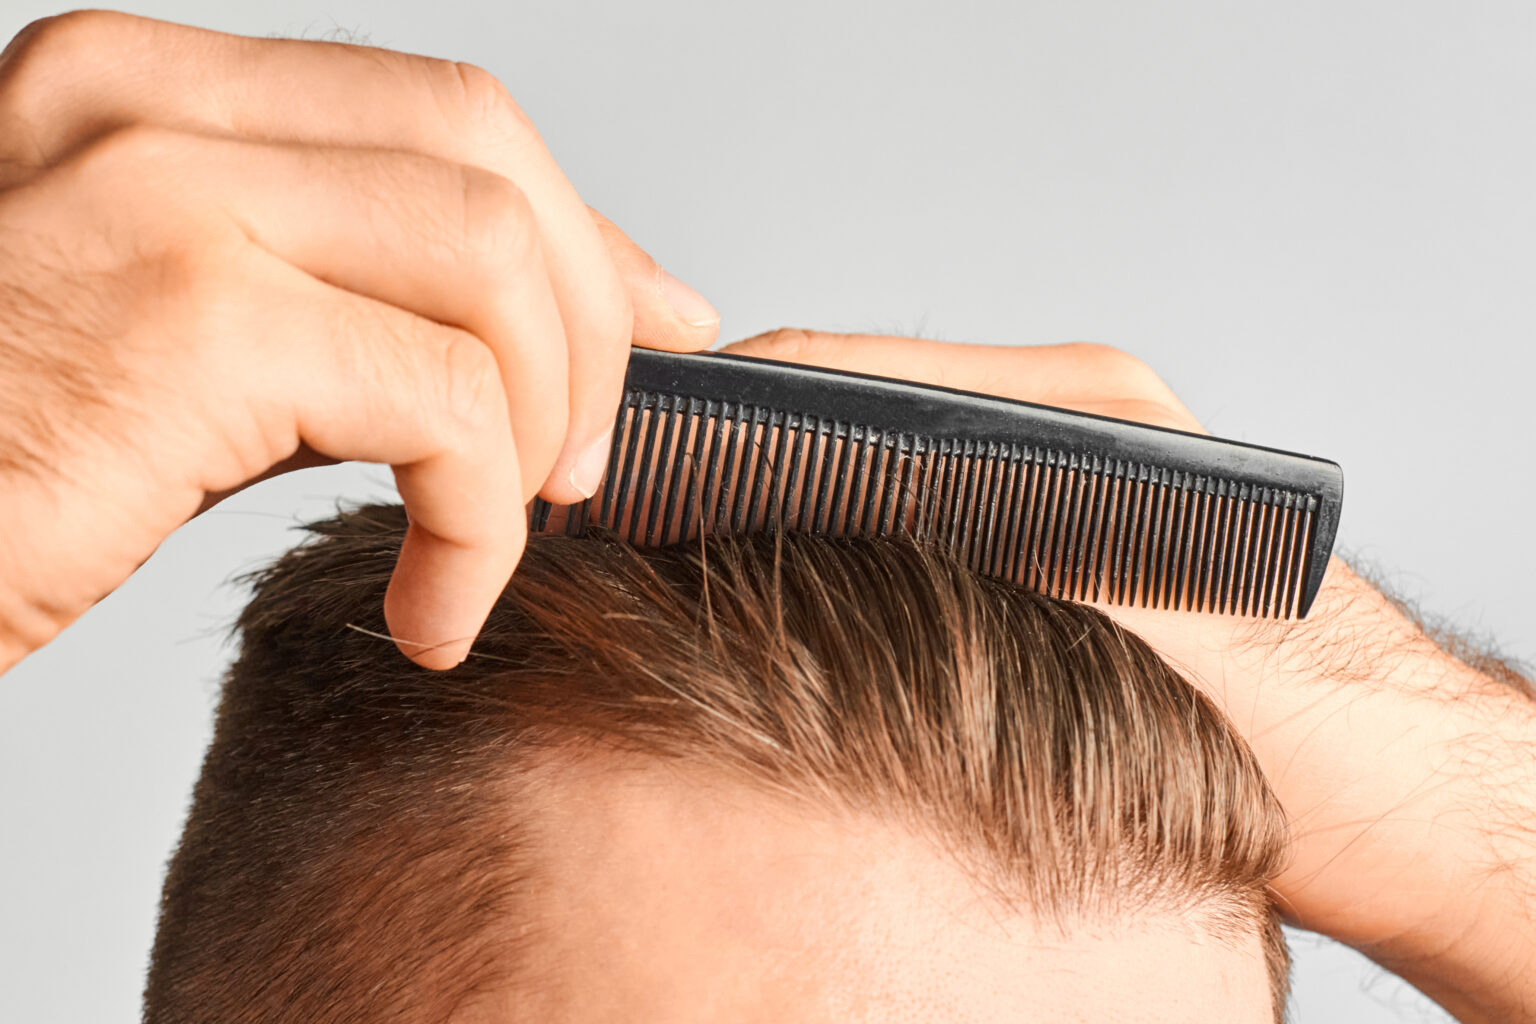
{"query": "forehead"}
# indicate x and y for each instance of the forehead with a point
(672, 897)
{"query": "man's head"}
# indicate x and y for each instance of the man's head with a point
(780, 779)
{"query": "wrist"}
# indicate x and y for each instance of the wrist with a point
(1406, 772)
(1480, 965)
(1415, 812)
(1407, 776)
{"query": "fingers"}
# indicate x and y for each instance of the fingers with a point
(470, 328)
(353, 378)
(669, 315)
(58, 94)
(456, 244)
(917, 359)
(1084, 377)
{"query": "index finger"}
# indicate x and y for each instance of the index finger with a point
(1083, 377)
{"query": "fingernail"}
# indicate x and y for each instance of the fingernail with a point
(589, 469)
(691, 307)
(458, 651)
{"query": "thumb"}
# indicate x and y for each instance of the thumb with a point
(668, 314)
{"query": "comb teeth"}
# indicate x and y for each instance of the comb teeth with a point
(1069, 524)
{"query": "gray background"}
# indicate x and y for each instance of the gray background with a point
(1314, 219)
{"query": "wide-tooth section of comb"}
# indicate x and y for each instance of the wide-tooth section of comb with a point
(1075, 506)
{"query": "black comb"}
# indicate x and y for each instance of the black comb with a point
(1074, 505)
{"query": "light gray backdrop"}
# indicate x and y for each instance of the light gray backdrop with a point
(1315, 219)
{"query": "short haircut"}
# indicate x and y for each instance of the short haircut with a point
(348, 856)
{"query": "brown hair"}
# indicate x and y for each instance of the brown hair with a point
(346, 858)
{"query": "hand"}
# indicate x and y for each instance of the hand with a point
(222, 258)
(1406, 774)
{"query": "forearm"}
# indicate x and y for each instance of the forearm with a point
(1450, 809)
(1408, 776)
(1410, 780)
(1421, 852)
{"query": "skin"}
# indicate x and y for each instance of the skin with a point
(1405, 772)
(474, 317)
(664, 894)
(331, 252)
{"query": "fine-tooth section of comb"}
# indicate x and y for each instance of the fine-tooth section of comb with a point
(1073, 505)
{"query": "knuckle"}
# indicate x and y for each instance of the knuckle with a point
(793, 344)
(484, 104)
(1117, 365)
(1098, 351)
(36, 61)
(29, 48)
(56, 39)
(497, 221)
(50, 51)
(181, 310)
(39, 64)
(131, 153)
(201, 291)
(471, 383)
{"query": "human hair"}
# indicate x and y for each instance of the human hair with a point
(348, 858)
